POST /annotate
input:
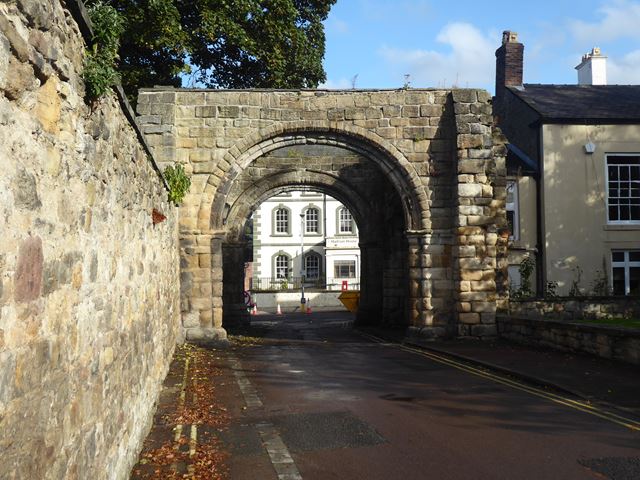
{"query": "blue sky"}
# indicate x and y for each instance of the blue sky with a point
(441, 44)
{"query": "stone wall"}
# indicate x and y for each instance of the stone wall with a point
(430, 264)
(575, 308)
(614, 343)
(89, 287)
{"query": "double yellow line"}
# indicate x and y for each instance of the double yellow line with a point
(568, 402)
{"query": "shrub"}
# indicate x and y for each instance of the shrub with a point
(178, 181)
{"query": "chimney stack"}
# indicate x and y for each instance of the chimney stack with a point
(593, 69)
(509, 58)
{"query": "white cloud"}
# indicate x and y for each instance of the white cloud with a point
(619, 19)
(340, 84)
(625, 71)
(470, 61)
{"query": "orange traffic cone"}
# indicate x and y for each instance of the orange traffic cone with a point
(255, 310)
(308, 307)
(279, 311)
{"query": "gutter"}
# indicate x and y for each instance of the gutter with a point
(539, 175)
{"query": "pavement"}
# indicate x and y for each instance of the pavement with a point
(597, 380)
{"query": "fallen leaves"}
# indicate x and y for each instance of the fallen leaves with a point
(245, 341)
(200, 457)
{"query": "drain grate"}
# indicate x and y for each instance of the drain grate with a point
(330, 430)
(240, 439)
(614, 468)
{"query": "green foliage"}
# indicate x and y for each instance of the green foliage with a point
(223, 43)
(178, 181)
(551, 290)
(99, 72)
(600, 284)
(575, 291)
(628, 322)
(525, 269)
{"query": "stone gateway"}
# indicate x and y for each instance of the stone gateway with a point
(422, 171)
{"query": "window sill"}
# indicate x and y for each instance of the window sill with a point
(517, 245)
(622, 226)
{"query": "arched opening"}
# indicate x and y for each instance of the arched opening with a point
(378, 208)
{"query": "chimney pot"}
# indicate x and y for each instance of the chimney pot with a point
(509, 37)
(593, 68)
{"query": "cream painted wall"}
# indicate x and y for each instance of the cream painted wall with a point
(575, 229)
(527, 209)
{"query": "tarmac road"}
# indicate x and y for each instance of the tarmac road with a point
(324, 402)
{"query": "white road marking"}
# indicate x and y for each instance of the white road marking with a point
(278, 453)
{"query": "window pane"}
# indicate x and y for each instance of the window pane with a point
(613, 214)
(312, 266)
(634, 256)
(511, 187)
(510, 220)
(623, 159)
(624, 188)
(282, 266)
(634, 281)
(311, 220)
(344, 269)
(624, 172)
(618, 281)
(282, 220)
(345, 221)
(625, 212)
(617, 256)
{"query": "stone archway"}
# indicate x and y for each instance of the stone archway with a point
(376, 207)
(433, 154)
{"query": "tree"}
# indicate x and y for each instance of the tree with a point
(223, 43)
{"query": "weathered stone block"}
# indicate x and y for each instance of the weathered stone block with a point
(464, 95)
(470, 141)
(469, 190)
(354, 114)
(469, 318)
(431, 110)
(210, 111)
(25, 190)
(28, 277)
(228, 111)
(411, 111)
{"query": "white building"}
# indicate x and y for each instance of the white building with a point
(310, 221)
